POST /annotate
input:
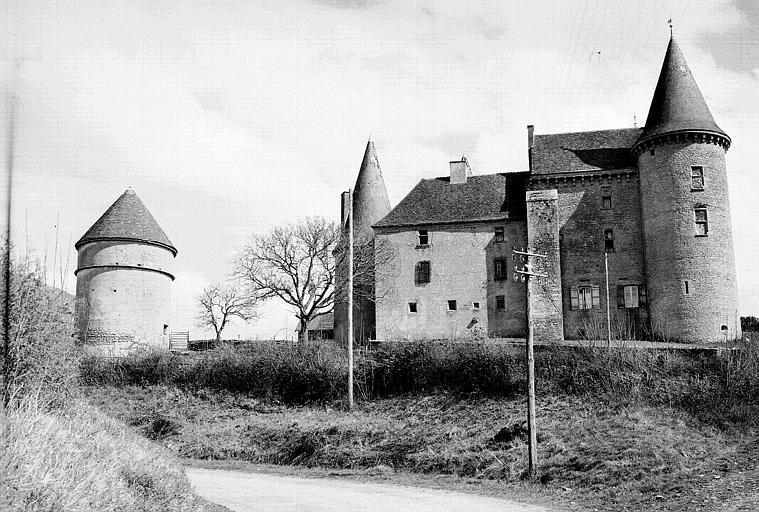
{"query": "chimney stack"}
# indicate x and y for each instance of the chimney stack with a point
(460, 170)
(344, 207)
(530, 138)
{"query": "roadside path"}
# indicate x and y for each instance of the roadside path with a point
(254, 492)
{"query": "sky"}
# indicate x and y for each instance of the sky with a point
(229, 117)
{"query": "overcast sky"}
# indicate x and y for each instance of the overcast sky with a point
(228, 117)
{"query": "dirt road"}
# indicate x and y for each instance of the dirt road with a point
(248, 492)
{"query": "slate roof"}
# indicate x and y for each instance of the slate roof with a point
(127, 219)
(678, 105)
(579, 151)
(370, 200)
(481, 198)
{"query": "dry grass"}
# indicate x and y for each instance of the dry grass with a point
(82, 460)
(611, 457)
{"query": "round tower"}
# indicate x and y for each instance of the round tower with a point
(123, 286)
(685, 211)
(370, 205)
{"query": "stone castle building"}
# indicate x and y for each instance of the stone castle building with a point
(123, 286)
(653, 200)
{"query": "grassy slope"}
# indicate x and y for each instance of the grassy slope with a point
(81, 460)
(631, 458)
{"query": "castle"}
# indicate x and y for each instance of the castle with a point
(123, 285)
(651, 203)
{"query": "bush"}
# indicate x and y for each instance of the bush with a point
(43, 359)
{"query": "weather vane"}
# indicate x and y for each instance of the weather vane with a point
(671, 33)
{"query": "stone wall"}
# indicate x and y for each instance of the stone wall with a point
(583, 217)
(673, 251)
(462, 259)
(123, 294)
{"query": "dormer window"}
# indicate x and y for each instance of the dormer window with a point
(498, 234)
(424, 237)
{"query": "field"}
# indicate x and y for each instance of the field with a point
(620, 430)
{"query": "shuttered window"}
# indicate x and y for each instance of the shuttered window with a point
(422, 272)
(585, 297)
(631, 296)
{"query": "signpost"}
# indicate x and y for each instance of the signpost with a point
(525, 274)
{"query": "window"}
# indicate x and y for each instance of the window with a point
(702, 224)
(476, 306)
(697, 178)
(585, 297)
(608, 240)
(422, 272)
(499, 269)
(606, 198)
(686, 287)
(412, 308)
(631, 296)
(500, 302)
(452, 305)
(424, 237)
(498, 235)
(652, 152)
(166, 328)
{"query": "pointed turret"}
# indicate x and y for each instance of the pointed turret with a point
(370, 200)
(678, 107)
(127, 219)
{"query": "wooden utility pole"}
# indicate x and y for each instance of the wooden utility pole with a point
(525, 274)
(7, 260)
(350, 299)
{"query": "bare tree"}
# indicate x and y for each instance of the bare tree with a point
(371, 257)
(294, 263)
(220, 302)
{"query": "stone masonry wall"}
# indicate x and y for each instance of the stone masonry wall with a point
(582, 221)
(118, 305)
(543, 238)
(673, 251)
(462, 261)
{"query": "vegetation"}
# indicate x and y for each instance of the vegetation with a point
(57, 452)
(221, 302)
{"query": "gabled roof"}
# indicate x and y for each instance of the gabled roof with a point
(370, 200)
(127, 219)
(481, 198)
(580, 151)
(678, 105)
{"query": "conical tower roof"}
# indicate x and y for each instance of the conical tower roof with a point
(370, 201)
(678, 105)
(127, 219)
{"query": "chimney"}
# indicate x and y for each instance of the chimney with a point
(530, 137)
(344, 208)
(460, 170)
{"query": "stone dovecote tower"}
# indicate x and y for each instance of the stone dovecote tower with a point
(123, 286)
(685, 211)
(370, 205)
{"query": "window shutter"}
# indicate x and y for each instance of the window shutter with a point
(596, 297)
(620, 297)
(428, 272)
(642, 295)
(574, 301)
(418, 273)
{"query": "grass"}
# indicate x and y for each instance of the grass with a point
(81, 460)
(611, 457)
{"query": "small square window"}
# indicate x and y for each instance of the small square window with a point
(702, 221)
(424, 237)
(697, 178)
(499, 234)
(609, 240)
(652, 152)
(499, 269)
(475, 306)
(500, 302)
(452, 305)
(412, 307)
(606, 198)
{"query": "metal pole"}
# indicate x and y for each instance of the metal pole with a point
(608, 310)
(7, 303)
(532, 440)
(350, 299)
